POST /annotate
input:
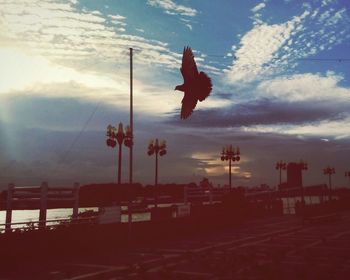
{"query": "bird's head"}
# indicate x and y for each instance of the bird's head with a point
(179, 87)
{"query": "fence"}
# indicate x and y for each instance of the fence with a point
(289, 197)
(204, 195)
(39, 197)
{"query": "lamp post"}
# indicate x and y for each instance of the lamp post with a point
(303, 166)
(156, 147)
(347, 174)
(281, 165)
(229, 153)
(119, 136)
(329, 171)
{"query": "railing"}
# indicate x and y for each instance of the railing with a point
(204, 195)
(288, 196)
(40, 196)
(49, 224)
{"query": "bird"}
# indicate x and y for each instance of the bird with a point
(196, 86)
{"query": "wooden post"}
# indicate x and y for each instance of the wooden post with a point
(43, 205)
(230, 181)
(210, 195)
(76, 201)
(10, 190)
(119, 163)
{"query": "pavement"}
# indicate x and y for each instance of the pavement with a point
(268, 248)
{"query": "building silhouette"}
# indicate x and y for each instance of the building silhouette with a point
(294, 175)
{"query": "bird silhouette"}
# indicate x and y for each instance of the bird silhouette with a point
(196, 86)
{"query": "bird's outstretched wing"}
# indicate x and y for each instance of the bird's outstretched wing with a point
(189, 102)
(204, 86)
(188, 69)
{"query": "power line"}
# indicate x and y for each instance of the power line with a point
(326, 59)
(339, 60)
(62, 159)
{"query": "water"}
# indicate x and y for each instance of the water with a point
(26, 216)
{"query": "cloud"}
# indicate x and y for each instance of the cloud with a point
(258, 47)
(23, 71)
(117, 17)
(258, 7)
(54, 50)
(267, 112)
(304, 100)
(210, 164)
(271, 49)
(61, 62)
(310, 87)
(172, 8)
(338, 129)
(62, 33)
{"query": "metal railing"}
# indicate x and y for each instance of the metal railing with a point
(39, 196)
(49, 224)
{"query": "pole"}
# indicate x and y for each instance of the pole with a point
(156, 182)
(8, 220)
(230, 173)
(43, 205)
(303, 167)
(120, 164)
(280, 175)
(330, 187)
(131, 118)
(302, 194)
(76, 201)
(131, 148)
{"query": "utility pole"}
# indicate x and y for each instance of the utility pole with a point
(131, 148)
(131, 119)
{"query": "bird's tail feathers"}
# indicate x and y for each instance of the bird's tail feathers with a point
(205, 86)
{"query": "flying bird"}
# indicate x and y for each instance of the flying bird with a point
(196, 86)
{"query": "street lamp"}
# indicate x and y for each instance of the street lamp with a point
(329, 171)
(347, 174)
(281, 165)
(119, 136)
(229, 153)
(156, 147)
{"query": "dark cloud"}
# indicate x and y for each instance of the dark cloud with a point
(58, 113)
(225, 96)
(266, 112)
(63, 152)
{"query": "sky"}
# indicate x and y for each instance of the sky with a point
(281, 89)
